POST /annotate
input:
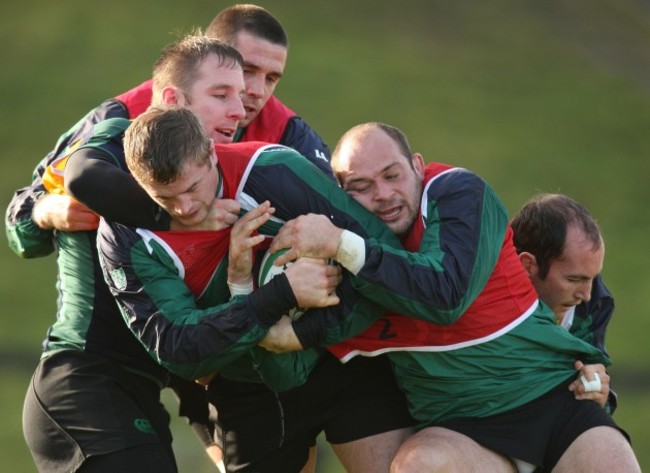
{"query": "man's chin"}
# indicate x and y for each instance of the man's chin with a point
(222, 140)
(399, 228)
(246, 121)
(189, 222)
(251, 114)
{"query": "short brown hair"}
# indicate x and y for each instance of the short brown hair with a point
(179, 62)
(541, 226)
(162, 141)
(393, 133)
(250, 18)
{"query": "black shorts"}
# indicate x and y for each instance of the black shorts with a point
(265, 431)
(81, 406)
(538, 432)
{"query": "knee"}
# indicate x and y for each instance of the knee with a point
(418, 460)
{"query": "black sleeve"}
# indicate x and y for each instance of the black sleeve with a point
(93, 178)
(275, 297)
(193, 404)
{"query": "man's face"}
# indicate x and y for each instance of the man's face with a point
(188, 199)
(264, 64)
(570, 277)
(373, 171)
(215, 97)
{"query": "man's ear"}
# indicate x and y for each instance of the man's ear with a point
(170, 96)
(214, 159)
(529, 262)
(418, 164)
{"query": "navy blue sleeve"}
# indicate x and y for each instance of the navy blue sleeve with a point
(602, 309)
(593, 317)
(590, 324)
(24, 236)
(299, 136)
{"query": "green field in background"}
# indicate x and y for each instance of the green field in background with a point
(534, 96)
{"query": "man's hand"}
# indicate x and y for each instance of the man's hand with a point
(207, 379)
(63, 212)
(216, 455)
(308, 235)
(242, 241)
(223, 214)
(314, 282)
(588, 372)
(281, 337)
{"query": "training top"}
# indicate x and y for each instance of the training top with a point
(471, 339)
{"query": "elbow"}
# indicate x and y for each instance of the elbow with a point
(32, 252)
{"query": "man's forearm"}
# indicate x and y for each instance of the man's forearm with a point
(281, 337)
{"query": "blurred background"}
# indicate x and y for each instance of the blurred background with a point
(535, 96)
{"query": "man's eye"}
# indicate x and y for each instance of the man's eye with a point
(359, 190)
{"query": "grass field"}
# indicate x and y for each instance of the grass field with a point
(534, 96)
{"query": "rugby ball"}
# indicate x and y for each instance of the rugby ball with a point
(268, 270)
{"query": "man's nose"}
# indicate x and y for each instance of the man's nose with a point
(183, 206)
(255, 85)
(237, 110)
(383, 191)
(584, 292)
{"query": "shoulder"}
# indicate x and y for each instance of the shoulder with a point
(112, 127)
(274, 106)
(461, 192)
(441, 179)
(113, 234)
(108, 135)
(137, 100)
(242, 155)
(279, 155)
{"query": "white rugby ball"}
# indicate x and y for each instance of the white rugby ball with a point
(268, 271)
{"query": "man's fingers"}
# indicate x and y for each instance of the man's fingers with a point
(332, 269)
(249, 225)
(255, 240)
(287, 257)
(283, 239)
(228, 205)
(593, 385)
(229, 218)
(332, 299)
(250, 222)
(261, 209)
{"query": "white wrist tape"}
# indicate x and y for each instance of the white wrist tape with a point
(240, 289)
(591, 386)
(351, 252)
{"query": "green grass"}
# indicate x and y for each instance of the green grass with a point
(534, 96)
